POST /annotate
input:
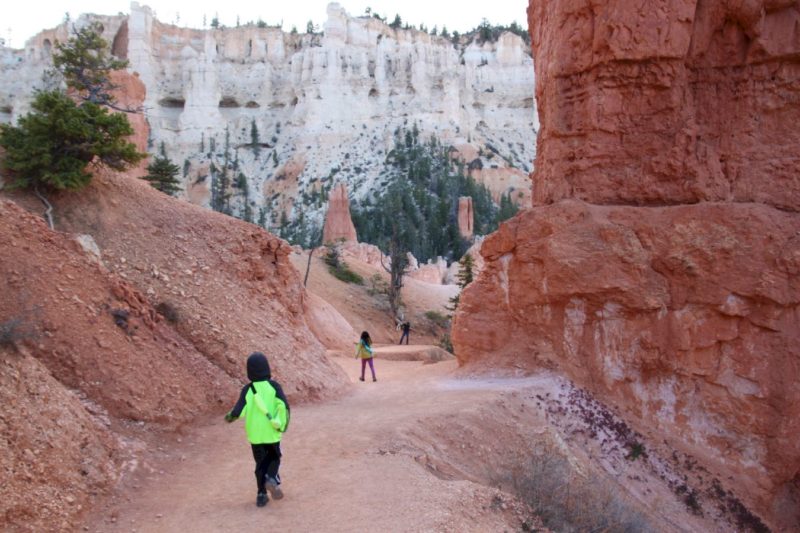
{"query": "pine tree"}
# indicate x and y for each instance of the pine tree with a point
(86, 65)
(507, 208)
(464, 277)
(485, 31)
(51, 146)
(465, 274)
(161, 174)
(255, 141)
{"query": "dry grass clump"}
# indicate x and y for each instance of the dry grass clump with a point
(568, 501)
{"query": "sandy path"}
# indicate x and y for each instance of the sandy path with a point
(340, 470)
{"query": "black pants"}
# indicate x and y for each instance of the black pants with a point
(404, 336)
(268, 460)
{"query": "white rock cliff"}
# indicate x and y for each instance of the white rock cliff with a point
(283, 117)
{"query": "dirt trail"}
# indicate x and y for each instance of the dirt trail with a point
(341, 471)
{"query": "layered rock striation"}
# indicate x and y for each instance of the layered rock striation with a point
(660, 264)
(677, 102)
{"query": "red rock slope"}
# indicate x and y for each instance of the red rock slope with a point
(79, 345)
(682, 308)
(230, 282)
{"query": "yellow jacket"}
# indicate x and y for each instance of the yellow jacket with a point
(363, 351)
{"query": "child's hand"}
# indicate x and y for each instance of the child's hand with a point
(229, 418)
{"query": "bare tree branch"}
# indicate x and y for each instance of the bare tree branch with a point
(48, 213)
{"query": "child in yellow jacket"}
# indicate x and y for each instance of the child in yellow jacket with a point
(364, 351)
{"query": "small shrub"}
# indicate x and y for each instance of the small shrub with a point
(15, 330)
(437, 318)
(339, 269)
(169, 312)
(445, 343)
(636, 451)
(377, 285)
(568, 501)
(343, 273)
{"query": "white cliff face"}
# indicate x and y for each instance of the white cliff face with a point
(325, 107)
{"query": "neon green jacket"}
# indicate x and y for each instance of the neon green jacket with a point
(265, 414)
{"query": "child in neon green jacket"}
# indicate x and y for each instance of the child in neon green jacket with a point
(265, 409)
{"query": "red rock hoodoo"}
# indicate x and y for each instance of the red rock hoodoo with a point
(465, 217)
(338, 224)
(660, 264)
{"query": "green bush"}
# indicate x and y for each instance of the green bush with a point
(339, 268)
(343, 273)
(437, 318)
(377, 285)
(445, 343)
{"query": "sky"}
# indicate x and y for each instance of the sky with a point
(22, 19)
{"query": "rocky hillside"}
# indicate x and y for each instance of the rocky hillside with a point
(263, 123)
(679, 306)
(81, 347)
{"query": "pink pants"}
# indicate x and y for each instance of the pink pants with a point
(364, 366)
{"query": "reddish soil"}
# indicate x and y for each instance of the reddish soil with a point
(81, 350)
(420, 450)
(230, 283)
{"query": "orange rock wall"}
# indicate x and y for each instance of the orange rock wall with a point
(668, 102)
(660, 263)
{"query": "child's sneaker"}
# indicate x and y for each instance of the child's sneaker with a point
(274, 489)
(261, 499)
(360, 379)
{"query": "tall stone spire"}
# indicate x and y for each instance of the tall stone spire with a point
(338, 224)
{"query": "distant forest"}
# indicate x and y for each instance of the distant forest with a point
(418, 201)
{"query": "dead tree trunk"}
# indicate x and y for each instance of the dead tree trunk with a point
(308, 267)
(48, 213)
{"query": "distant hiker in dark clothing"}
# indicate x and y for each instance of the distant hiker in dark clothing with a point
(265, 409)
(364, 351)
(406, 327)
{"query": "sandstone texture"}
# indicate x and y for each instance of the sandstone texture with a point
(328, 325)
(364, 252)
(658, 266)
(323, 107)
(338, 224)
(672, 102)
(430, 272)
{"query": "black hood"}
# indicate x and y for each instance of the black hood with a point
(258, 367)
